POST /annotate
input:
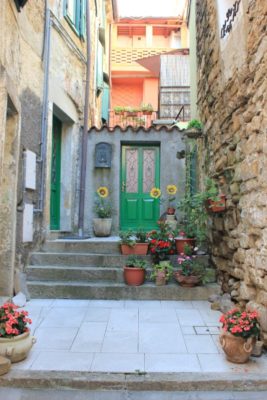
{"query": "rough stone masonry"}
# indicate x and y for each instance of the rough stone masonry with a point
(232, 102)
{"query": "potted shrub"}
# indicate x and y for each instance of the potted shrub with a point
(134, 271)
(133, 242)
(161, 243)
(194, 129)
(240, 329)
(216, 202)
(127, 242)
(15, 338)
(162, 272)
(147, 109)
(103, 210)
(191, 273)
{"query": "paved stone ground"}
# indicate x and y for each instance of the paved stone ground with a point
(128, 336)
(50, 394)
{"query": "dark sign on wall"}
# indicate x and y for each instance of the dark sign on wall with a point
(20, 4)
(103, 155)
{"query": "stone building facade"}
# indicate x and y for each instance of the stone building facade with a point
(42, 80)
(232, 104)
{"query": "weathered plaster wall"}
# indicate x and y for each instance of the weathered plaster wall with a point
(232, 102)
(172, 169)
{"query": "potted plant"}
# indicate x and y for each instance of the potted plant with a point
(134, 271)
(15, 338)
(216, 202)
(147, 109)
(119, 110)
(161, 243)
(193, 220)
(162, 272)
(131, 111)
(194, 129)
(103, 210)
(134, 242)
(191, 272)
(240, 329)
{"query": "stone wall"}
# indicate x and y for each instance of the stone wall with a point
(22, 77)
(232, 102)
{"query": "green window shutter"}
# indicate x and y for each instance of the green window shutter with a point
(105, 102)
(99, 72)
(82, 29)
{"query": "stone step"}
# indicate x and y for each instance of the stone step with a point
(91, 260)
(82, 246)
(73, 273)
(106, 290)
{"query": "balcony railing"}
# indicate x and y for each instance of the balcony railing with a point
(135, 119)
(126, 55)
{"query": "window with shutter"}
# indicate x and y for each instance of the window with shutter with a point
(74, 12)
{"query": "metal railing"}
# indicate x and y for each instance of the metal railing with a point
(135, 119)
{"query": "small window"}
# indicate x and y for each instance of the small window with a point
(75, 14)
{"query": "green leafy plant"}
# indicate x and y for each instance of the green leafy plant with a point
(163, 266)
(136, 262)
(193, 223)
(194, 123)
(119, 109)
(128, 238)
(132, 109)
(141, 236)
(147, 107)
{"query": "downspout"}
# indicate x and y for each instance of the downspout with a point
(43, 143)
(85, 126)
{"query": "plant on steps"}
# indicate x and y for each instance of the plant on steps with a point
(134, 271)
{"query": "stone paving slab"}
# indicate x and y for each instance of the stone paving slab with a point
(125, 336)
(130, 338)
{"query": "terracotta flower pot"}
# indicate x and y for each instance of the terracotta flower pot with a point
(161, 278)
(186, 281)
(134, 276)
(217, 206)
(236, 348)
(170, 211)
(16, 348)
(138, 249)
(181, 242)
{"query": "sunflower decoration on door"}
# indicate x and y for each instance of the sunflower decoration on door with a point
(171, 191)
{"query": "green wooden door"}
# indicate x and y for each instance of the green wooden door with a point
(55, 175)
(140, 172)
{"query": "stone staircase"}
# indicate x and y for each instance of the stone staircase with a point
(75, 269)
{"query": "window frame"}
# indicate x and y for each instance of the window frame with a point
(78, 24)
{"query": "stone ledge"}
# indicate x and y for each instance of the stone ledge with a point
(134, 381)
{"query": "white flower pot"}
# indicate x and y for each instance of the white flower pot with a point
(16, 348)
(102, 226)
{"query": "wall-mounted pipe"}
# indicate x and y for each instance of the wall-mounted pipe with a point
(84, 140)
(43, 143)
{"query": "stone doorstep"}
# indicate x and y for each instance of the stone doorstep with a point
(135, 381)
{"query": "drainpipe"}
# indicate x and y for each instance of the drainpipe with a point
(85, 126)
(43, 143)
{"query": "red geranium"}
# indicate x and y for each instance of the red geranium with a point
(244, 324)
(13, 322)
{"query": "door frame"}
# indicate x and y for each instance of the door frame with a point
(56, 121)
(157, 173)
